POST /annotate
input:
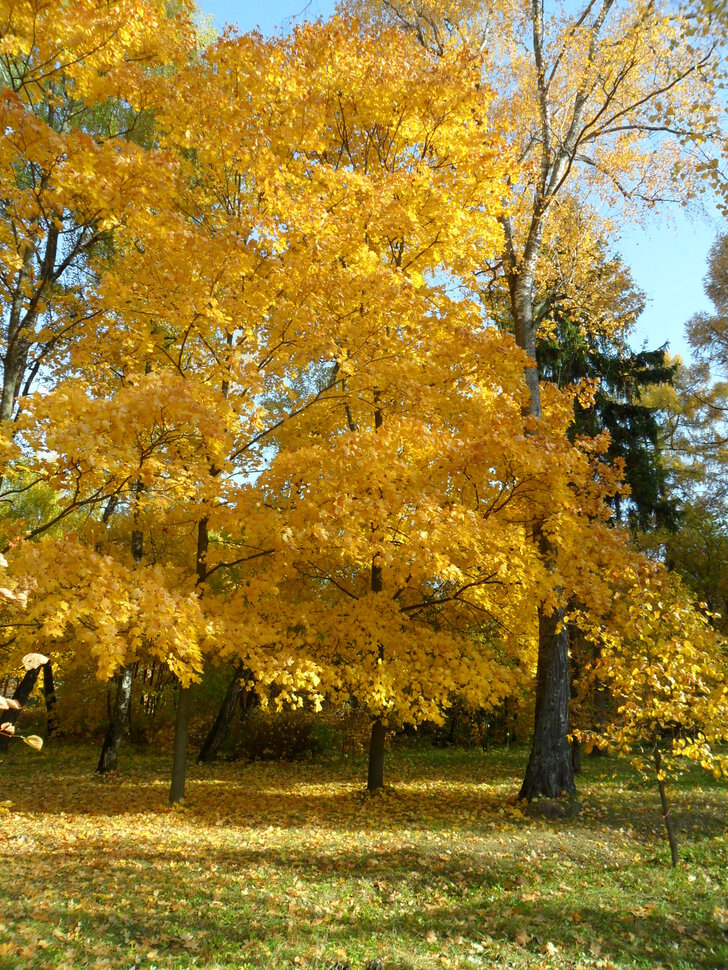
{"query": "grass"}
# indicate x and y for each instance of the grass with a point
(273, 866)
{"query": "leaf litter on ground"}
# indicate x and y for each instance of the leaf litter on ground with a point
(290, 865)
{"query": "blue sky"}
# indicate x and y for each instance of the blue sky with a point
(667, 256)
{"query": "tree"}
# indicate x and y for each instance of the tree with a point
(406, 538)
(77, 93)
(13, 706)
(668, 672)
(694, 438)
(216, 309)
(602, 101)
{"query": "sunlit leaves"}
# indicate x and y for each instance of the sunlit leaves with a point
(665, 667)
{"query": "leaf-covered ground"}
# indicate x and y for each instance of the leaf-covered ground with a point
(291, 866)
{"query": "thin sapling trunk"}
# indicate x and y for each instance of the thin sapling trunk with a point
(666, 810)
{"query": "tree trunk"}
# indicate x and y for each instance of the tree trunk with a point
(375, 777)
(184, 703)
(550, 771)
(49, 692)
(16, 350)
(110, 749)
(21, 695)
(220, 729)
(576, 756)
(119, 715)
(666, 812)
(181, 730)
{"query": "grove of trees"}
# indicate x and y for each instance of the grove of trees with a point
(315, 368)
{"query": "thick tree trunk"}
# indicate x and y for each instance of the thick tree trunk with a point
(109, 758)
(375, 776)
(49, 692)
(666, 812)
(221, 728)
(550, 771)
(181, 731)
(21, 695)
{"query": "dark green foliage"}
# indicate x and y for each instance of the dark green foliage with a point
(573, 355)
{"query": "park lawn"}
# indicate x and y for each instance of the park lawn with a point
(290, 865)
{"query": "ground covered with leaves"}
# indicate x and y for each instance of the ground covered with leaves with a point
(272, 865)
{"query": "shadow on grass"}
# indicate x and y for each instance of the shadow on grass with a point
(272, 861)
(230, 903)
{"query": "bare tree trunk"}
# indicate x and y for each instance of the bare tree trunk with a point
(49, 692)
(181, 732)
(550, 771)
(375, 774)
(666, 811)
(221, 727)
(109, 758)
(576, 756)
(16, 351)
(184, 704)
(21, 695)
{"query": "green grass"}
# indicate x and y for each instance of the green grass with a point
(291, 866)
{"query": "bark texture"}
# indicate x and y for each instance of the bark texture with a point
(21, 695)
(49, 693)
(666, 811)
(221, 727)
(109, 758)
(375, 774)
(550, 770)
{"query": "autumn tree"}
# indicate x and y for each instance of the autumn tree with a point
(408, 549)
(77, 92)
(667, 670)
(694, 437)
(261, 264)
(276, 308)
(611, 102)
